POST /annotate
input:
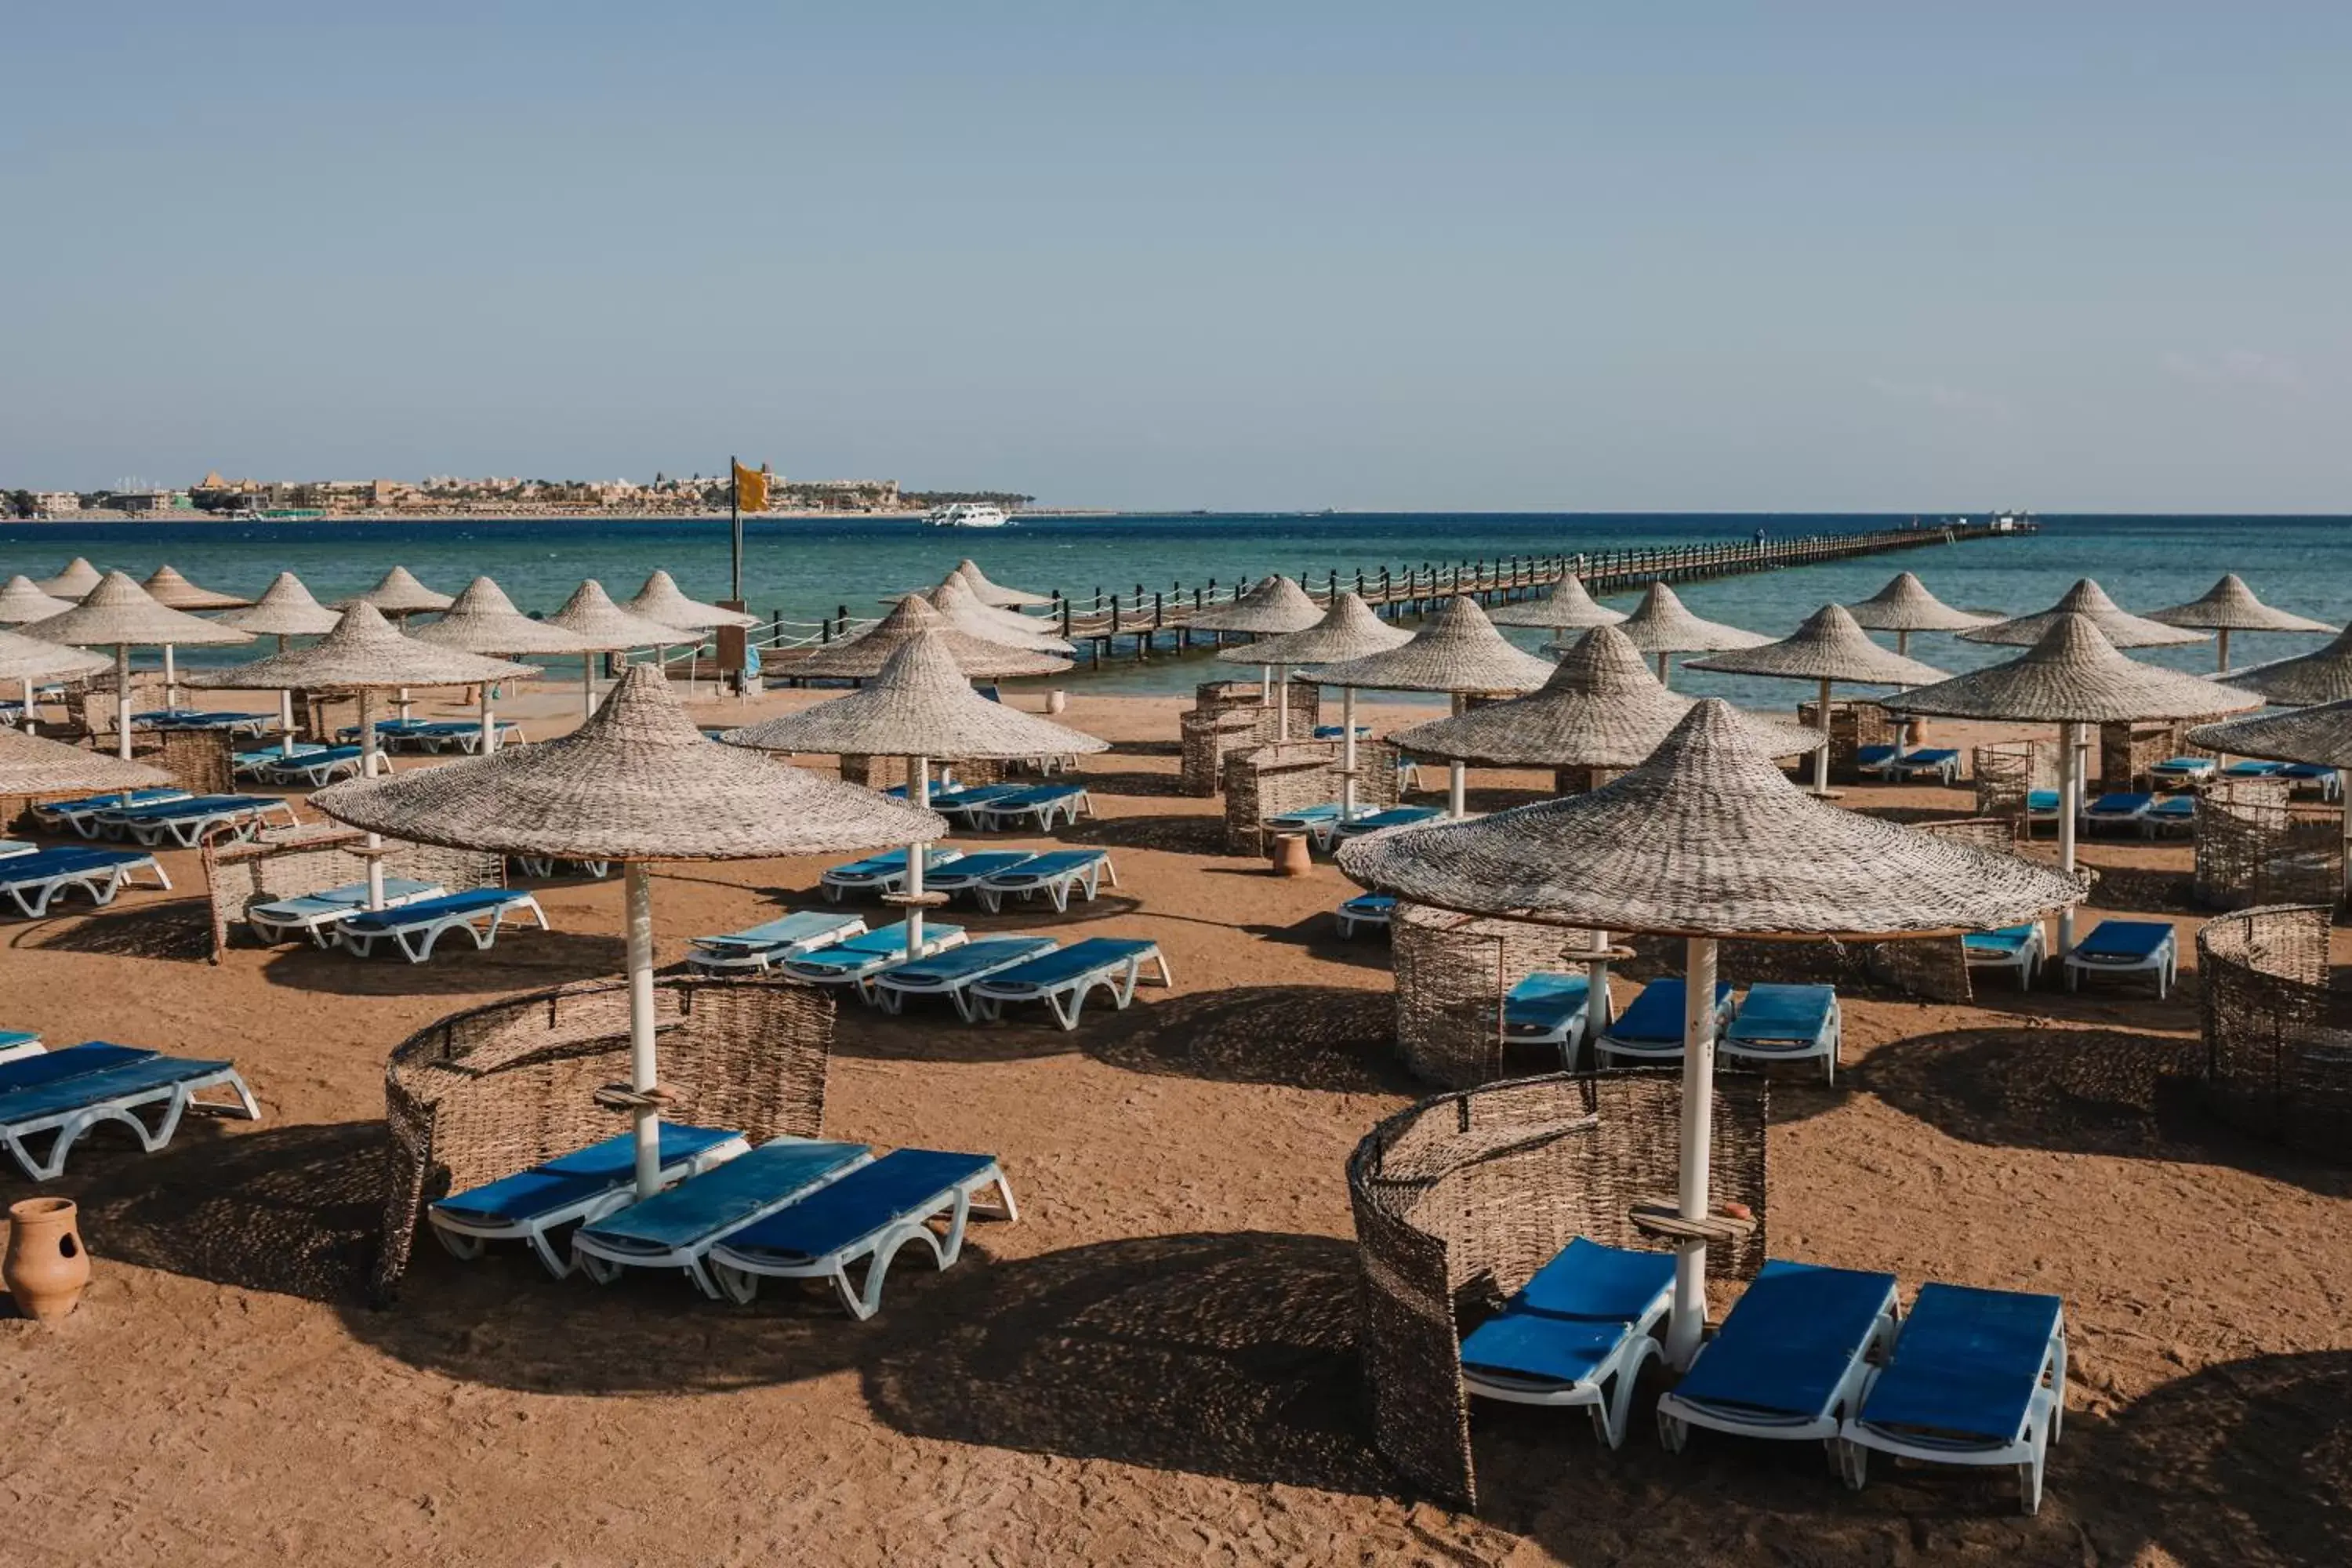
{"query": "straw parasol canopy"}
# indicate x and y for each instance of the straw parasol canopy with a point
(1277, 605)
(863, 656)
(29, 660)
(2229, 605)
(660, 600)
(636, 782)
(120, 613)
(364, 652)
(2306, 680)
(483, 620)
(1706, 840)
(1568, 607)
(78, 579)
(31, 765)
(398, 595)
(994, 593)
(1905, 606)
(604, 627)
(1661, 627)
(1600, 709)
(955, 601)
(1456, 650)
(21, 601)
(2074, 675)
(1349, 629)
(2321, 735)
(285, 609)
(166, 585)
(922, 705)
(1828, 649)
(2119, 626)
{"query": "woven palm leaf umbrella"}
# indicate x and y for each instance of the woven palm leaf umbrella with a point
(364, 654)
(398, 595)
(2117, 625)
(168, 587)
(285, 609)
(920, 707)
(484, 621)
(1905, 606)
(863, 655)
(1457, 651)
(2321, 736)
(603, 627)
(76, 580)
(2073, 676)
(1274, 607)
(637, 783)
(1568, 607)
(956, 601)
(2229, 605)
(28, 659)
(661, 600)
(1661, 627)
(32, 765)
(21, 600)
(1703, 841)
(120, 615)
(2306, 680)
(1829, 647)
(995, 595)
(1349, 629)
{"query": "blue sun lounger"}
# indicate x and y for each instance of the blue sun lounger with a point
(1789, 1360)
(965, 875)
(964, 805)
(2328, 781)
(184, 822)
(675, 1229)
(2017, 947)
(1786, 1024)
(2175, 773)
(257, 765)
(771, 941)
(1976, 1377)
(2128, 947)
(200, 719)
(1943, 762)
(413, 928)
(1652, 1028)
(952, 973)
(1878, 760)
(1064, 978)
(33, 881)
(880, 873)
(63, 1094)
(529, 1206)
(388, 732)
(1056, 875)
(855, 961)
(2125, 808)
(315, 915)
(2173, 814)
(1576, 1334)
(462, 734)
(1040, 803)
(1548, 1008)
(2253, 768)
(1375, 910)
(1314, 820)
(316, 768)
(17, 1044)
(2042, 805)
(1394, 817)
(81, 815)
(864, 1216)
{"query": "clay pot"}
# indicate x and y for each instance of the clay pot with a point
(1290, 855)
(1058, 701)
(46, 1269)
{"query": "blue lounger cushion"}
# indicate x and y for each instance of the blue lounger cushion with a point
(900, 1183)
(957, 963)
(424, 911)
(1929, 757)
(1065, 964)
(2124, 941)
(978, 795)
(2251, 768)
(1307, 815)
(803, 925)
(1587, 1280)
(1395, 816)
(1967, 1363)
(969, 870)
(2178, 809)
(1791, 1339)
(194, 805)
(2121, 804)
(1542, 1001)
(1039, 869)
(2006, 941)
(882, 942)
(110, 801)
(72, 1061)
(2041, 799)
(1539, 1347)
(582, 1174)
(42, 864)
(724, 1196)
(350, 896)
(1775, 1014)
(145, 1072)
(1656, 1013)
(1370, 906)
(894, 863)
(1873, 756)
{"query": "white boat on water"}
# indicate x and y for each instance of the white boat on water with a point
(967, 514)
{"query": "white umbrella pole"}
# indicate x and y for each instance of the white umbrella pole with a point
(490, 722)
(1687, 1325)
(637, 897)
(2224, 663)
(367, 771)
(1282, 696)
(1598, 1012)
(1662, 678)
(2344, 797)
(122, 701)
(918, 790)
(28, 705)
(171, 679)
(401, 699)
(1347, 753)
(2070, 803)
(1902, 640)
(588, 686)
(1457, 787)
(1821, 756)
(285, 712)
(1266, 683)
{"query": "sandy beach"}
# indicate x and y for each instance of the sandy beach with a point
(1156, 1364)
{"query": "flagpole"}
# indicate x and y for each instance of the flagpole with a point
(735, 521)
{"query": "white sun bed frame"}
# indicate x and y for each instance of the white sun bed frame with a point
(415, 941)
(738, 1275)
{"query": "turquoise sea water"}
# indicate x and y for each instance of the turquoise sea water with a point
(806, 569)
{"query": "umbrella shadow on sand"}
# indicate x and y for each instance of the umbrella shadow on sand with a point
(522, 959)
(177, 931)
(1300, 1037)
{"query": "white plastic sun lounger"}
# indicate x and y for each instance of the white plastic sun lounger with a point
(1315, 821)
(317, 768)
(315, 915)
(2128, 947)
(676, 1228)
(257, 764)
(583, 1185)
(479, 912)
(1779, 1022)
(1790, 1360)
(33, 881)
(1575, 1334)
(185, 822)
(1652, 1028)
(1375, 910)
(17, 1044)
(952, 973)
(63, 1094)
(857, 960)
(965, 874)
(962, 805)
(1064, 978)
(81, 815)
(1056, 875)
(547, 868)
(1040, 803)
(864, 1216)
(1548, 1008)
(2017, 947)
(762, 946)
(880, 873)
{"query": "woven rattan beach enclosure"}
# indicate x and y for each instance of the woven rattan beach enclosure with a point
(2278, 1036)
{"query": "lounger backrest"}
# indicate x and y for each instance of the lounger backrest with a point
(1058, 863)
(70, 1061)
(2125, 939)
(1657, 1013)
(2120, 801)
(424, 911)
(1777, 1011)
(43, 864)
(1966, 1362)
(799, 926)
(901, 1183)
(1593, 1283)
(973, 956)
(2007, 938)
(1067, 963)
(1791, 1339)
(722, 1196)
(883, 941)
(987, 863)
(138, 1075)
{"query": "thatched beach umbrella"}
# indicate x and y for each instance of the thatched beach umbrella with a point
(1706, 840)
(31, 765)
(1905, 606)
(1273, 607)
(956, 601)
(863, 655)
(21, 600)
(397, 595)
(1349, 629)
(603, 627)
(1457, 651)
(636, 783)
(2321, 736)
(2229, 605)
(1828, 649)
(2306, 680)
(483, 620)
(1568, 607)
(2118, 625)
(76, 580)
(29, 660)
(1661, 627)
(995, 595)
(920, 707)
(2071, 676)
(661, 600)
(168, 585)
(118, 613)
(285, 609)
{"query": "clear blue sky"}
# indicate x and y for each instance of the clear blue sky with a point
(2094, 256)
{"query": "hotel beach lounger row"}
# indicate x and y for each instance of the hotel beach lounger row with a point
(33, 881)
(855, 962)
(415, 927)
(81, 815)
(2128, 947)
(1771, 1023)
(880, 873)
(185, 822)
(763, 945)
(1372, 910)
(584, 1185)
(980, 977)
(1041, 804)
(63, 1094)
(315, 915)
(1056, 874)
(2017, 947)
(951, 974)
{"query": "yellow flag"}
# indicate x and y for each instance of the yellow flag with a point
(751, 489)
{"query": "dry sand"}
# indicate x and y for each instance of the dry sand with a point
(1155, 1365)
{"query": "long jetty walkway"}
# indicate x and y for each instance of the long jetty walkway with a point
(1147, 623)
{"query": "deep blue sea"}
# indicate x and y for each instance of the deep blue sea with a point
(808, 569)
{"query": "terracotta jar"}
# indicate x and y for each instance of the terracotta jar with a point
(46, 1269)
(1290, 855)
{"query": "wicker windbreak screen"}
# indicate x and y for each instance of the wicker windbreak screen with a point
(2278, 1037)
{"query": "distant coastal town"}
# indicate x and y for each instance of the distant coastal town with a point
(447, 496)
